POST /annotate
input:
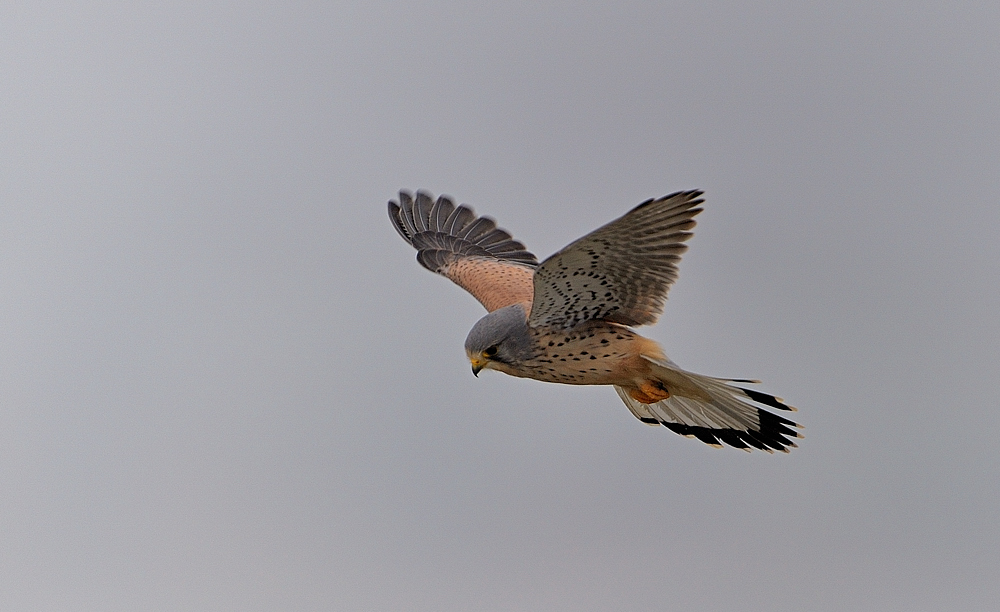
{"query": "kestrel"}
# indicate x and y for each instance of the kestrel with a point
(568, 319)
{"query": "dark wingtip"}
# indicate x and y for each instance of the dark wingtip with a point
(692, 196)
(438, 225)
(396, 216)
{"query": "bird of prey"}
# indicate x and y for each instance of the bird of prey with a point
(569, 319)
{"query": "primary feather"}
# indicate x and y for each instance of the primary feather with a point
(620, 272)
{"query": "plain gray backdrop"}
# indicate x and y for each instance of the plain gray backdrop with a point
(225, 384)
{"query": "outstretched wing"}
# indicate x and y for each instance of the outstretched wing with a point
(472, 251)
(620, 272)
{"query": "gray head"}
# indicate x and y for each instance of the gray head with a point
(500, 340)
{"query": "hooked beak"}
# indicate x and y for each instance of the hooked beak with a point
(477, 366)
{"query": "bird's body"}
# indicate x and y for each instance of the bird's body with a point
(593, 353)
(568, 320)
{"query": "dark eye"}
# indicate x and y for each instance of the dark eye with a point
(490, 352)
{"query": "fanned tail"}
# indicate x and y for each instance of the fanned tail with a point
(714, 410)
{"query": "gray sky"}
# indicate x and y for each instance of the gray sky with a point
(227, 385)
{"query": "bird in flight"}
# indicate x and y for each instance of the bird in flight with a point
(569, 319)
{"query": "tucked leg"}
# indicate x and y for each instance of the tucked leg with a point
(650, 392)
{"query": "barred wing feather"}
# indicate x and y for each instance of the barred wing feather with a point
(471, 251)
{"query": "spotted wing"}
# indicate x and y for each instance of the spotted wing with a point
(620, 272)
(471, 251)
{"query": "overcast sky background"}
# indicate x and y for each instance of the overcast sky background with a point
(227, 385)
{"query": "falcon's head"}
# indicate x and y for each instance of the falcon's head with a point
(500, 341)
